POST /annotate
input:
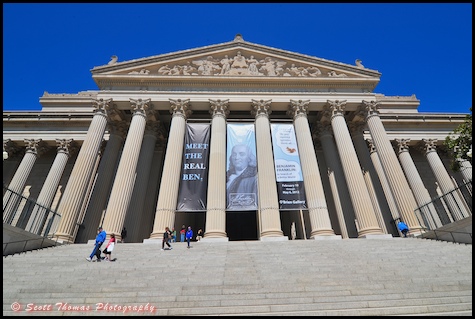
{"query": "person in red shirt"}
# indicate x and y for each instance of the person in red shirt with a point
(182, 233)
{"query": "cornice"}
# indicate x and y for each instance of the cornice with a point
(237, 84)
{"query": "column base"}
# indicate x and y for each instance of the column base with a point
(332, 237)
(274, 238)
(379, 236)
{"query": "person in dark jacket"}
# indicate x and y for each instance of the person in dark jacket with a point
(123, 235)
(167, 235)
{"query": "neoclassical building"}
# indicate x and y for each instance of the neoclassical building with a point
(326, 155)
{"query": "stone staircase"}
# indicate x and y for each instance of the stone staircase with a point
(354, 277)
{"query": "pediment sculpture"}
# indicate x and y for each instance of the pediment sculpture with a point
(239, 65)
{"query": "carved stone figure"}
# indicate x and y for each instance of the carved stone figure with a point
(313, 71)
(225, 65)
(164, 70)
(271, 67)
(359, 64)
(334, 74)
(188, 69)
(294, 71)
(208, 66)
(176, 70)
(113, 60)
(239, 61)
(253, 63)
(143, 71)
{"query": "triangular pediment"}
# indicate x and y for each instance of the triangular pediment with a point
(237, 58)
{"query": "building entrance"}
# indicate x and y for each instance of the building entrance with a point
(241, 225)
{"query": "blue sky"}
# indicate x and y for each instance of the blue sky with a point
(421, 49)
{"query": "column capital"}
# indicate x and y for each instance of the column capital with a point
(298, 108)
(152, 128)
(333, 108)
(180, 107)
(142, 107)
(369, 108)
(402, 144)
(101, 105)
(371, 146)
(219, 107)
(11, 147)
(36, 146)
(118, 128)
(261, 107)
(114, 114)
(322, 129)
(428, 145)
(65, 146)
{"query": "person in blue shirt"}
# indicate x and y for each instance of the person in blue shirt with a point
(403, 228)
(189, 235)
(100, 239)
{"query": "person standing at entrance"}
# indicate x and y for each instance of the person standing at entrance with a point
(173, 235)
(100, 238)
(293, 232)
(123, 234)
(182, 233)
(189, 235)
(199, 235)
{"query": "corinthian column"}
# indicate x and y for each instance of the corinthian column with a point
(392, 169)
(48, 191)
(216, 211)
(317, 206)
(466, 170)
(356, 131)
(424, 202)
(384, 182)
(75, 191)
(126, 171)
(105, 176)
(136, 207)
(367, 223)
(12, 196)
(167, 196)
(454, 202)
(268, 201)
(336, 177)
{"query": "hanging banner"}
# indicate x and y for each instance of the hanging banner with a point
(192, 194)
(241, 174)
(288, 172)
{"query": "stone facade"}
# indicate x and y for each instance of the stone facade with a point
(129, 137)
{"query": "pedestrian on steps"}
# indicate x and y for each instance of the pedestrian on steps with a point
(109, 248)
(189, 235)
(403, 228)
(100, 238)
(167, 235)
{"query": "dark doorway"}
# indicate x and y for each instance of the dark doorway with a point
(241, 225)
